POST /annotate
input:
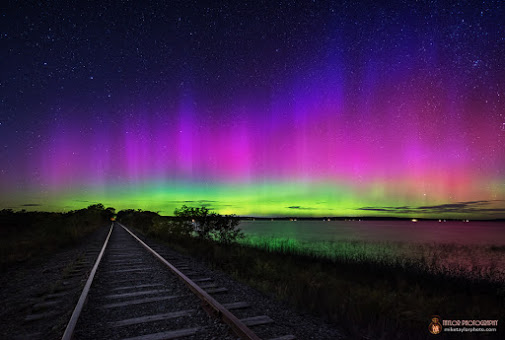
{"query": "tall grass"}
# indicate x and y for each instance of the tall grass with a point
(29, 235)
(476, 262)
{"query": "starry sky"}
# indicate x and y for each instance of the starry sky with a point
(263, 108)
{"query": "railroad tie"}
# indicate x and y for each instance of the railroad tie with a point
(216, 290)
(147, 285)
(151, 318)
(167, 335)
(236, 305)
(140, 301)
(257, 320)
(285, 337)
(139, 293)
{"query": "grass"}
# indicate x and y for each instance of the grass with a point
(29, 235)
(472, 262)
(370, 289)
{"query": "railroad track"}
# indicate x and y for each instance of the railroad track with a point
(135, 293)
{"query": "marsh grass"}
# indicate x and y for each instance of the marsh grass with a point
(475, 262)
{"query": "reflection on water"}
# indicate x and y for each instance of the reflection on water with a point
(475, 249)
(483, 233)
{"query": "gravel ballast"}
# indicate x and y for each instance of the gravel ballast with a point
(38, 297)
(135, 295)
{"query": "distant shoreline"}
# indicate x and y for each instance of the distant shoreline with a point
(366, 218)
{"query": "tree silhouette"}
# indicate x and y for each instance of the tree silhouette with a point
(209, 225)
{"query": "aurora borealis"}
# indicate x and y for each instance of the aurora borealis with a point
(302, 108)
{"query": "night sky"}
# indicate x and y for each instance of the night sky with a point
(265, 108)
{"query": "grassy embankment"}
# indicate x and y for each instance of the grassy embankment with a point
(29, 235)
(370, 290)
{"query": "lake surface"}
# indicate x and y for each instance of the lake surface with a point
(471, 233)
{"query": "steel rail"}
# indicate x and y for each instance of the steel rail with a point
(69, 331)
(236, 325)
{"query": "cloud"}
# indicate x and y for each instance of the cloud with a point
(459, 205)
(374, 209)
(299, 207)
(31, 205)
(197, 201)
(469, 207)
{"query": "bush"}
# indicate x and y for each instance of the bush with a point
(139, 219)
(209, 225)
(188, 222)
(172, 228)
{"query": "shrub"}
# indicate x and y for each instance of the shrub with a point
(209, 225)
(167, 227)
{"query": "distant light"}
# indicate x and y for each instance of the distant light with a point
(414, 220)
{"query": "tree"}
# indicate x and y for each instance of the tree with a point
(209, 225)
(139, 219)
(98, 206)
(226, 228)
(171, 228)
(110, 213)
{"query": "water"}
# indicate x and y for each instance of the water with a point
(471, 233)
(474, 249)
